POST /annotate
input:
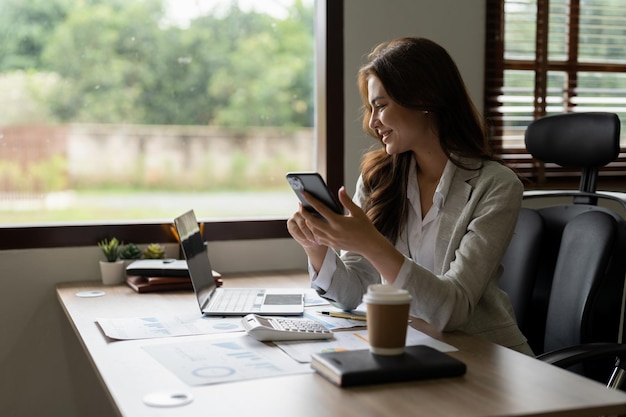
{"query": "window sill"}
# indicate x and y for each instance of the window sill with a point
(84, 234)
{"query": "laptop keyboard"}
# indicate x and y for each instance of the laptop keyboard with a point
(238, 300)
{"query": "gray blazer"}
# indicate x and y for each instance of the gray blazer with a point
(478, 220)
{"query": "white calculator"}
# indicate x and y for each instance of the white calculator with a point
(282, 328)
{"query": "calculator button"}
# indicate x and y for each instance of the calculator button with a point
(280, 328)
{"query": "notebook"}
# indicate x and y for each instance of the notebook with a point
(361, 367)
(220, 301)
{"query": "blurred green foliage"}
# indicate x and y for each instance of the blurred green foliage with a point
(122, 61)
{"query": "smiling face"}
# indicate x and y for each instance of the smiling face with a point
(401, 129)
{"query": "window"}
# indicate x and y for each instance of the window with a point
(327, 16)
(552, 56)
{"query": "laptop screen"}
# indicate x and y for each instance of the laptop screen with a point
(195, 251)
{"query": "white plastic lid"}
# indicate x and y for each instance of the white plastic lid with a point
(386, 294)
(167, 399)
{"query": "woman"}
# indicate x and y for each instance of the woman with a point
(433, 211)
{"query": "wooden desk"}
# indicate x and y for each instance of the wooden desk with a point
(499, 382)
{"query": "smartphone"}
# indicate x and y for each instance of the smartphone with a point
(314, 184)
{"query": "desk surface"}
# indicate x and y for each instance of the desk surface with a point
(499, 382)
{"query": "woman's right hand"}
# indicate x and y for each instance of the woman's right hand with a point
(298, 229)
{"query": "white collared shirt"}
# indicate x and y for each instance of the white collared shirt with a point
(418, 239)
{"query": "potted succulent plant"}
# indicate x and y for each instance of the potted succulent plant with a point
(129, 253)
(111, 269)
(154, 251)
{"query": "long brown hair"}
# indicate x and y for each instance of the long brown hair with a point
(419, 74)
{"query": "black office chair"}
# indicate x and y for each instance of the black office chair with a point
(521, 262)
(566, 264)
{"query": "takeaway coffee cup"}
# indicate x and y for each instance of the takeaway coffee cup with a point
(387, 318)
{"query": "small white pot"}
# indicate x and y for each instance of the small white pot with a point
(112, 273)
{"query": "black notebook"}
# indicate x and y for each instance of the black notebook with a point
(361, 367)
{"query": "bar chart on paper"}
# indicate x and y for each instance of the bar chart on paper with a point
(128, 328)
(224, 360)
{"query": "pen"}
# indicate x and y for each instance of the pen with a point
(344, 315)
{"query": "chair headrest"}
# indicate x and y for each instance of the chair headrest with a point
(575, 139)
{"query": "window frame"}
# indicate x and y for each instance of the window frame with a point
(329, 84)
(538, 174)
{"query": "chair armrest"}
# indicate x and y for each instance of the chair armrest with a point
(572, 355)
(617, 197)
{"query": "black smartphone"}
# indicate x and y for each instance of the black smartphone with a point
(314, 184)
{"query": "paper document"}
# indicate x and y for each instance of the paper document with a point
(301, 351)
(311, 298)
(333, 323)
(152, 326)
(128, 328)
(224, 360)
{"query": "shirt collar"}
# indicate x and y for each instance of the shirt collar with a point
(443, 187)
(441, 192)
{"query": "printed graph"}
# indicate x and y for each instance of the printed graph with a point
(225, 360)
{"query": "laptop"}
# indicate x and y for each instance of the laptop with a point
(219, 301)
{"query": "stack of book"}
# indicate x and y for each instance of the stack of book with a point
(150, 275)
(151, 284)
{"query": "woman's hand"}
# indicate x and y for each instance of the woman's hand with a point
(352, 232)
(299, 229)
